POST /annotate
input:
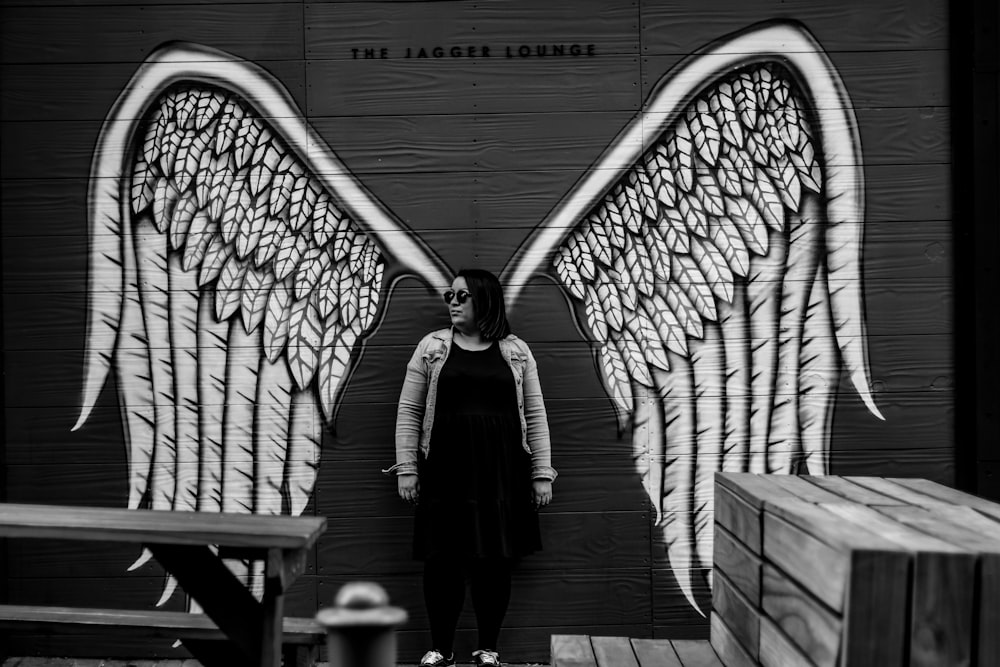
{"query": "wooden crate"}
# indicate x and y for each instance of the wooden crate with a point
(845, 571)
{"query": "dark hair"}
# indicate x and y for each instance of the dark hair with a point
(487, 303)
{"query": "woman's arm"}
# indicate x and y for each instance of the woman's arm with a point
(537, 422)
(410, 413)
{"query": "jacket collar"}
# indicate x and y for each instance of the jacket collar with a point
(448, 333)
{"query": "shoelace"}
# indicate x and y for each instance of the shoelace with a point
(487, 657)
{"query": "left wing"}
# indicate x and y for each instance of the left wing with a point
(713, 258)
(236, 267)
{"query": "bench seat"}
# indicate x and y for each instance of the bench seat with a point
(301, 637)
(169, 624)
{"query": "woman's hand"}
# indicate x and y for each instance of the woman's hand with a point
(541, 492)
(409, 488)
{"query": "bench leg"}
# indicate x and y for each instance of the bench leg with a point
(273, 606)
(204, 577)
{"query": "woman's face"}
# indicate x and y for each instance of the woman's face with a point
(463, 315)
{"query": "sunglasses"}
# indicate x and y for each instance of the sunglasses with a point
(462, 296)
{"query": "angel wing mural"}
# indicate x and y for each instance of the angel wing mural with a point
(233, 275)
(712, 257)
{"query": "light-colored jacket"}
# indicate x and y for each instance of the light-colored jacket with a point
(418, 399)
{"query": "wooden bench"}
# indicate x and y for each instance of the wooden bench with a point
(191, 546)
(853, 571)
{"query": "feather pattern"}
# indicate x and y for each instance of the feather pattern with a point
(205, 282)
(818, 379)
(742, 211)
(305, 439)
(184, 296)
(273, 409)
(213, 349)
(150, 249)
(135, 383)
(708, 373)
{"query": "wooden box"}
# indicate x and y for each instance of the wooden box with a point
(844, 571)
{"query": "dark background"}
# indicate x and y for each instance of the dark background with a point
(472, 154)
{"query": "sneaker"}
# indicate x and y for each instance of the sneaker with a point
(486, 658)
(435, 658)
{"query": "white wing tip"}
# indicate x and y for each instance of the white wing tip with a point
(141, 560)
(168, 590)
(864, 391)
(684, 582)
(82, 419)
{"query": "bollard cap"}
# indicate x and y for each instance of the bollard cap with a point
(361, 604)
(361, 595)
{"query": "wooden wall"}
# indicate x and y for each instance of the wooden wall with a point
(471, 153)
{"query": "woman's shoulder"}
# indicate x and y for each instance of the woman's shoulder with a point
(517, 343)
(435, 337)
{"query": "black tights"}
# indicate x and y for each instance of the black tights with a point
(444, 596)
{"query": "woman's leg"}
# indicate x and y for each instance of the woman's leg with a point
(444, 595)
(490, 597)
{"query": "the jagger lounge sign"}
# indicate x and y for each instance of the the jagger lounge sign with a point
(476, 51)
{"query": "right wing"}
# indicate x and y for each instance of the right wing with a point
(713, 259)
(235, 268)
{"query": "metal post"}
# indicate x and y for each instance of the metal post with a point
(361, 627)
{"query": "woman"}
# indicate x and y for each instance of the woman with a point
(473, 455)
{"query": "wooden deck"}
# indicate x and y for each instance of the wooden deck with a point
(95, 662)
(584, 651)
(568, 651)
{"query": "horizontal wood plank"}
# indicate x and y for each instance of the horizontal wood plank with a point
(727, 645)
(336, 28)
(735, 560)
(161, 624)
(462, 142)
(571, 540)
(159, 527)
(512, 201)
(740, 615)
(672, 612)
(808, 624)
(873, 79)
(951, 495)
(86, 91)
(271, 31)
(820, 568)
(897, 491)
(463, 86)
(820, 554)
(885, 26)
(803, 490)
(847, 490)
(939, 587)
(740, 518)
(897, 261)
(776, 649)
(575, 598)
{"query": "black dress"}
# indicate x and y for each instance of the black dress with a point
(475, 484)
